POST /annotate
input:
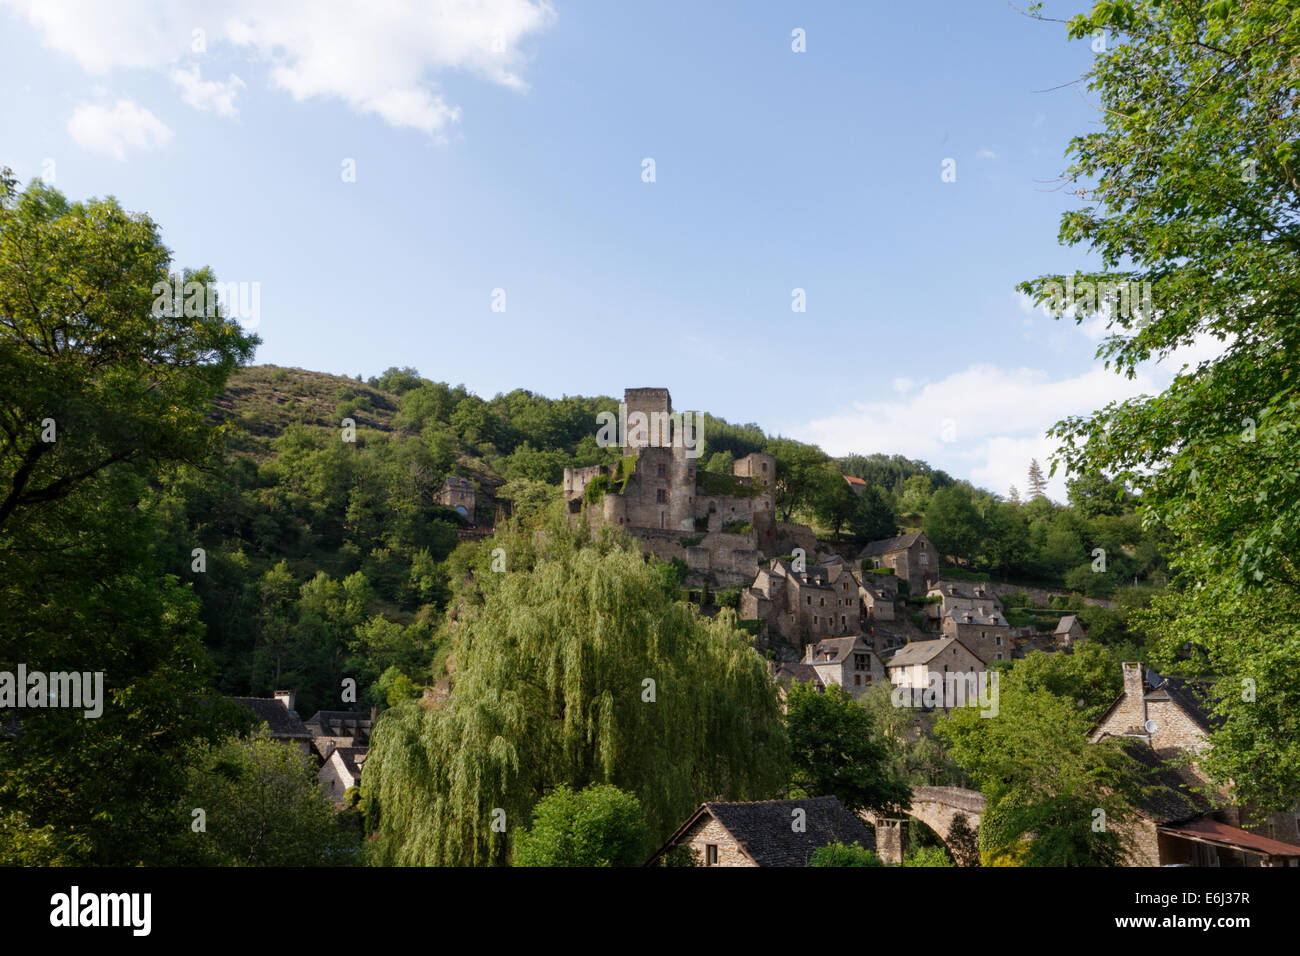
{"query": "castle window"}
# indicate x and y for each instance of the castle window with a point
(661, 496)
(661, 471)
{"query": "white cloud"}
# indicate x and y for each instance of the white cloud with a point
(986, 154)
(379, 59)
(211, 96)
(114, 131)
(982, 423)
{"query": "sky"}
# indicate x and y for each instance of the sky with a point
(579, 197)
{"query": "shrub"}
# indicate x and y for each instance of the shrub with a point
(840, 854)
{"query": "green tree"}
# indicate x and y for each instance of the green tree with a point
(838, 751)
(799, 474)
(262, 806)
(598, 826)
(99, 390)
(873, 517)
(1189, 191)
(952, 522)
(572, 667)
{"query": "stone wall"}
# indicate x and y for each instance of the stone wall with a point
(708, 830)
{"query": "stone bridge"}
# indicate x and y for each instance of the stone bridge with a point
(939, 808)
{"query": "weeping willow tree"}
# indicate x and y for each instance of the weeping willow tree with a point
(573, 666)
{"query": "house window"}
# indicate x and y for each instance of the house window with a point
(661, 496)
(860, 661)
(821, 603)
(925, 559)
(661, 471)
(999, 642)
(857, 680)
(710, 854)
(810, 600)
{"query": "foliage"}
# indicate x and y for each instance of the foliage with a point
(928, 856)
(844, 854)
(839, 751)
(598, 826)
(1189, 185)
(551, 671)
(262, 806)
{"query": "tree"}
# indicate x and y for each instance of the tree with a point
(1189, 192)
(1013, 496)
(598, 826)
(873, 517)
(573, 667)
(952, 522)
(1041, 777)
(833, 501)
(98, 391)
(844, 854)
(262, 806)
(93, 374)
(799, 472)
(838, 751)
(1037, 483)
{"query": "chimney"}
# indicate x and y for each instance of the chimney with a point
(286, 697)
(1133, 688)
(809, 651)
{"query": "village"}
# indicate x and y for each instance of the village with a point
(827, 615)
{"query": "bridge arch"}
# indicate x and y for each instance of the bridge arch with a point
(948, 811)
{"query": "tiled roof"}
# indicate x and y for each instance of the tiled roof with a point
(973, 615)
(1209, 830)
(764, 831)
(282, 721)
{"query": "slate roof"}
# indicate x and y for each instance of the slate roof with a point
(1187, 695)
(342, 723)
(1067, 622)
(282, 721)
(1168, 796)
(764, 833)
(922, 652)
(838, 647)
(352, 757)
(886, 545)
(463, 484)
(789, 673)
(973, 615)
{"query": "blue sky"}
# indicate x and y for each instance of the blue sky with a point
(500, 145)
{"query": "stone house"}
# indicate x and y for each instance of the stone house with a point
(847, 661)
(1069, 632)
(458, 495)
(986, 632)
(820, 601)
(914, 665)
(912, 557)
(766, 832)
(341, 771)
(278, 714)
(331, 729)
(1163, 720)
(876, 595)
